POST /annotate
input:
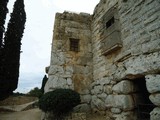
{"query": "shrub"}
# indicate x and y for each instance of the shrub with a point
(35, 92)
(59, 101)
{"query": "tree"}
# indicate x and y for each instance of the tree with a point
(45, 79)
(3, 13)
(11, 50)
(35, 92)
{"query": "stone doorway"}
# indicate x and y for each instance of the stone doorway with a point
(143, 105)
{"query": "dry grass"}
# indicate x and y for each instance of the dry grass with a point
(17, 100)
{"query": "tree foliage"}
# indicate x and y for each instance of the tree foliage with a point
(45, 79)
(60, 102)
(35, 92)
(3, 12)
(10, 60)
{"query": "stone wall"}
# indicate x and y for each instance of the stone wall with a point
(113, 90)
(71, 69)
(119, 51)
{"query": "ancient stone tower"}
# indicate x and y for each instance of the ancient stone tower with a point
(112, 58)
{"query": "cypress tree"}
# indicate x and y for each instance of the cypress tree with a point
(3, 13)
(12, 46)
(45, 79)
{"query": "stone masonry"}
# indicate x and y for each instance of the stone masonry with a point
(117, 58)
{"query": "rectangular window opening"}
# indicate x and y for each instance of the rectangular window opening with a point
(74, 44)
(110, 22)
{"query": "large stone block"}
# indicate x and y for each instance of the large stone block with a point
(102, 96)
(116, 110)
(153, 83)
(56, 69)
(82, 108)
(85, 98)
(55, 82)
(155, 98)
(124, 87)
(124, 102)
(51, 83)
(97, 90)
(69, 70)
(155, 114)
(57, 58)
(105, 81)
(108, 89)
(98, 103)
(143, 64)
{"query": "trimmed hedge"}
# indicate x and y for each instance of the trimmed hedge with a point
(59, 101)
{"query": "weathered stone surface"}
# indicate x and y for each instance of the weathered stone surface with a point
(90, 72)
(82, 108)
(79, 116)
(55, 69)
(85, 98)
(102, 96)
(116, 110)
(69, 70)
(124, 102)
(104, 81)
(124, 87)
(155, 98)
(155, 114)
(50, 83)
(108, 89)
(55, 82)
(69, 81)
(143, 64)
(98, 103)
(97, 90)
(124, 116)
(57, 58)
(153, 83)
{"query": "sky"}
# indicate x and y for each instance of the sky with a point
(37, 37)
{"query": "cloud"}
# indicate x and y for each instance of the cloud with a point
(29, 81)
(46, 3)
(76, 5)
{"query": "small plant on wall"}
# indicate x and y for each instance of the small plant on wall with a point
(59, 102)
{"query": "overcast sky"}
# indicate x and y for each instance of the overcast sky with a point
(37, 39)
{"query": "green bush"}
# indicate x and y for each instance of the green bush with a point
(35, 92)
(59, 102)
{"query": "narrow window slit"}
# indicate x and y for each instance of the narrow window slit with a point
(110, 22)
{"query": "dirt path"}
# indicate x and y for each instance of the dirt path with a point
(33, 114)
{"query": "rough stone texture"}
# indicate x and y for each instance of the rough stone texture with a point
(82, 108)
(79, 116)
(153, 83)
(124, 87)
(124, 116)
(85, 98)
(155, 98)
(70, 69)
(98, 103)
(105, 80)
(116, 110)
(155, 114)
(124, 102)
